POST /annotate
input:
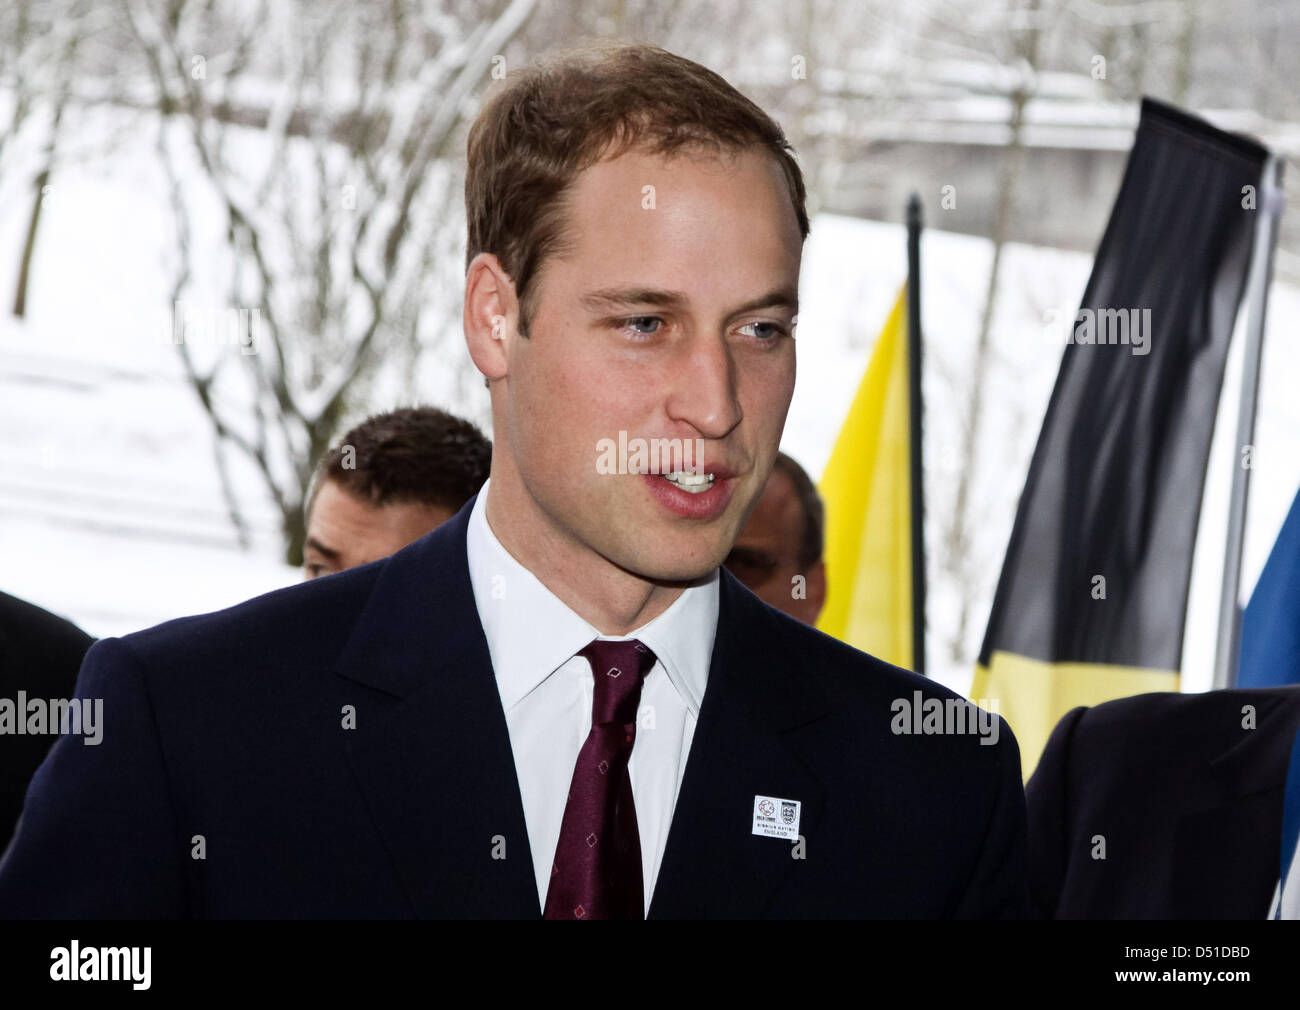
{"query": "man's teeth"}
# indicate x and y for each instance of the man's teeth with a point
(695, 483)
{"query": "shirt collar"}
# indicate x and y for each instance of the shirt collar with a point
(531, 632)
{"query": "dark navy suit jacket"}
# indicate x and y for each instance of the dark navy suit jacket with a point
(1185, 790)
(229, 782)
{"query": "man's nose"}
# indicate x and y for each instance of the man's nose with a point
(704, 390)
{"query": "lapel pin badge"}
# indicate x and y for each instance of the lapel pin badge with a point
(776, 818)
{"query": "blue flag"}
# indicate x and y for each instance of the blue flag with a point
(1270, 626)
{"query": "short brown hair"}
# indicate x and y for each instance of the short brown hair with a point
(414, 454)
(553, 120)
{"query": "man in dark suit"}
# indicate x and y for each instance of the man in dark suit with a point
(39, 657)
(556, 703)
(1162, 806)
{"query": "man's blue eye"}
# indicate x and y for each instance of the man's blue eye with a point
(653, 322)
(773, 330)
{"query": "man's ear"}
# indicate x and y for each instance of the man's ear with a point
(491, 315)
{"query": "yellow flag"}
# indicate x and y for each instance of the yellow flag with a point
(868, 496)
(1032, 695)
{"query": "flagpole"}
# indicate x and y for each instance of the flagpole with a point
(1261, 273)
(914, 421)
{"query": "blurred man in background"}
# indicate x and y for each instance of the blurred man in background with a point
(778, 554)
(392, 479)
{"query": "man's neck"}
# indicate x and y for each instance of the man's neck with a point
(611, 599)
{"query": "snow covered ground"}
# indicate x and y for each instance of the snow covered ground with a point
(110, 506)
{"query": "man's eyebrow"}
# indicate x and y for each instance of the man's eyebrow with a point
(624, 298)
(781, 299)
(320, 548)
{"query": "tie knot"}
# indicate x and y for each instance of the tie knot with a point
(618, 669)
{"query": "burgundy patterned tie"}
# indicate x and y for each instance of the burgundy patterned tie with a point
(597, 871)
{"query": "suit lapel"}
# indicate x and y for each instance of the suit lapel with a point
(431, 751)
(746, 744)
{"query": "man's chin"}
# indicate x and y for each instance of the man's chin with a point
(683, 580)
(674, 572)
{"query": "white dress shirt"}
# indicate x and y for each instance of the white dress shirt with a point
(546, 690)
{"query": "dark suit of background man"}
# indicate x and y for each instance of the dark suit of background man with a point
(556, 703)
(1163, 806)
(39, 655)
